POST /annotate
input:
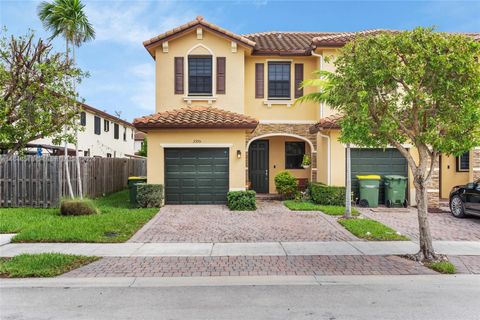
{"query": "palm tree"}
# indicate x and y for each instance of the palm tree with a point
(67, 18)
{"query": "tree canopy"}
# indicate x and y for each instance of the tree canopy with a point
(419, 86)
(36, 85)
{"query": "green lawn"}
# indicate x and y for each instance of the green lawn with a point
(310, 206)
(371, 230)
(41, 265)
(115, 222)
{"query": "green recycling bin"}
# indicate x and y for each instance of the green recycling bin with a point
(369, 188)
(132, 185)
(395, 187)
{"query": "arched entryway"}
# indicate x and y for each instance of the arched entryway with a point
(268, 154)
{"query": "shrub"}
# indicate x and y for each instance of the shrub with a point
(77, 207)
(286, 184)
(327, 195)
(149, 195)
(242, 200)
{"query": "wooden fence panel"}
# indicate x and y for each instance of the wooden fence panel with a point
(40, 182)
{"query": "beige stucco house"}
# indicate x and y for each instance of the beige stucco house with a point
(226, 119)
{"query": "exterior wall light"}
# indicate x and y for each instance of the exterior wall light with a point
(239, 154)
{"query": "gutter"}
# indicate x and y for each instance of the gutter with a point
(329, 145)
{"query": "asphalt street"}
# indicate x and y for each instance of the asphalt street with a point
(348, 297)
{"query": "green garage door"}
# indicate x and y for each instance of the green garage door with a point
(196, 175)
(377, 161)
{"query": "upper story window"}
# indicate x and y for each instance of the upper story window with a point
(124, 134)
(97, 129)
(200, 75)
(116, 131)
(106, 125)
(83, 118)
(294, 152)
(463, 162)
(279, 80)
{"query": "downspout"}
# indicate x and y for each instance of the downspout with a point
(329, 179)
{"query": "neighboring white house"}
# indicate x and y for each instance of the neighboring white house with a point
(104, 135)
(139, 140)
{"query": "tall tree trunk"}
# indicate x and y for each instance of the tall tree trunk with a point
(77, 159)
(348, 189)
(426, 247)
(65, 156)
(422, 176)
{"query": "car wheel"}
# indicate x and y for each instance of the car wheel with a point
(456, 207)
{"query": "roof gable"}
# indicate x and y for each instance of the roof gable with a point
(191, 26)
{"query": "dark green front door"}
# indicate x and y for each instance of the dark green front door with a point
(377, 161)
(196, 175)
(258, 165)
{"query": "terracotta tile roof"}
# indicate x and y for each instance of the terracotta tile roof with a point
(340, 39)
(273, 43)
(196, 117)
(199, 21)
(330, 122)
(284, 43)
(139, 135)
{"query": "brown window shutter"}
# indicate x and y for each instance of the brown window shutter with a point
(298, 80)
(221, 75)
(259, 80)
(179, 75)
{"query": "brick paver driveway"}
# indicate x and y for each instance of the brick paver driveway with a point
(248, 266)
(272, 221)
(442, 225)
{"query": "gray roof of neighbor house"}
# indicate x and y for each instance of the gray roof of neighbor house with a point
(104, 115)
(275, 42)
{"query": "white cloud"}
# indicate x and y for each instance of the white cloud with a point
(144, 91)
(135, 21)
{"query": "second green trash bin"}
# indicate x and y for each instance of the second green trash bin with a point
(369, 188)
(395, 187)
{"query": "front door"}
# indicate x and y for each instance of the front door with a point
(258, 165)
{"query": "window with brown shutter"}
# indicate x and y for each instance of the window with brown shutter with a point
(298, 80)
(221, 75)
(259, 80)
(178, 75)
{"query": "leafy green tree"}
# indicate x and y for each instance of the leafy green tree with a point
(143, 149)
(34, 82)
(67, 18)
(416, 87)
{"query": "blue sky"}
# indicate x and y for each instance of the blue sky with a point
(122, 72)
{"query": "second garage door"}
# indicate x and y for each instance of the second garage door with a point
(196, 175)
(377, 161)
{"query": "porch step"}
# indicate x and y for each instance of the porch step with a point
(268, 196)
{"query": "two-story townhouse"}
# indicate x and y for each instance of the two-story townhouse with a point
(102, 135)
(226, 119)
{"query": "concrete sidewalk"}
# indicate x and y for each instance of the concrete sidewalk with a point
(452, 248)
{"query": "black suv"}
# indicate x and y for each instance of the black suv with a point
(465, 200)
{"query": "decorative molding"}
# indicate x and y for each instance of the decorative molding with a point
(189, 99)
(312, 148)
(271, 103)
(196, 145)
(199, 33)
(287, 122)
(165, 47)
